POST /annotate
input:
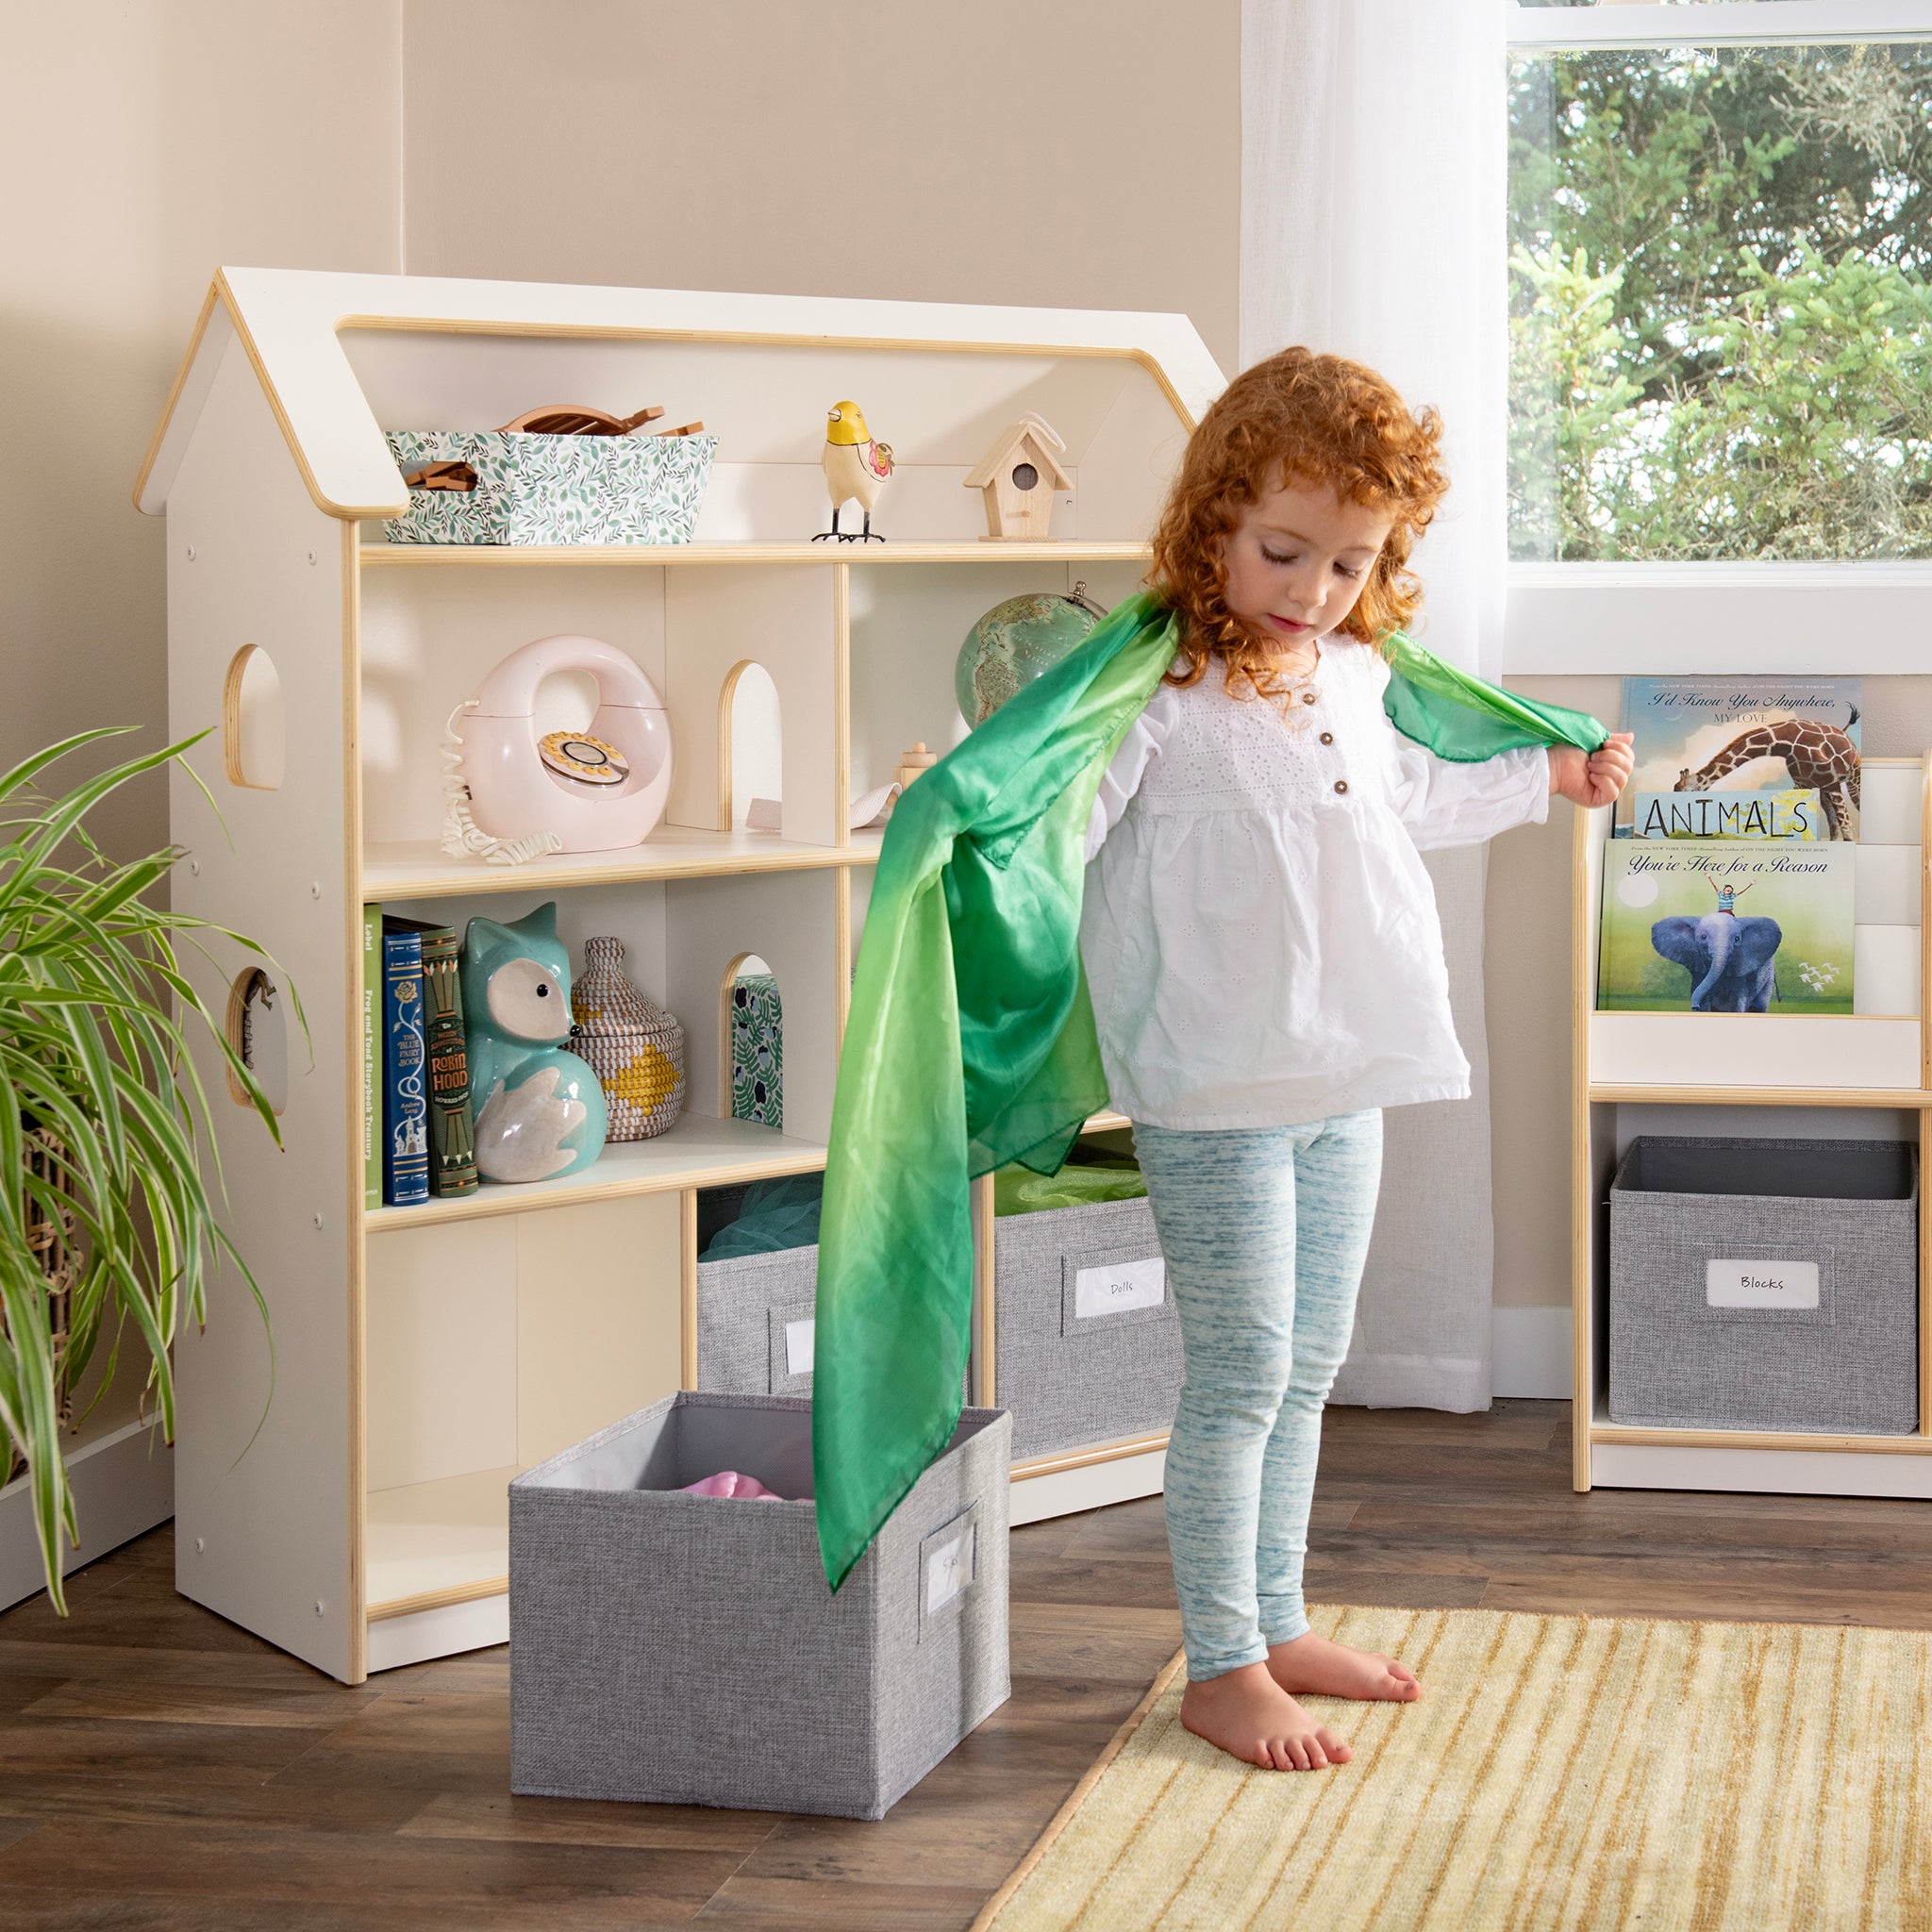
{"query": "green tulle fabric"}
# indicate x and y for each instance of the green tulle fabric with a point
(971, 1043)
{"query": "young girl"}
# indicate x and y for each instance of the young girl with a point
(1266, 967)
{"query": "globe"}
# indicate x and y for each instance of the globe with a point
(1013, 643)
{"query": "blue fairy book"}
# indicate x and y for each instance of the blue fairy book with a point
(405, 1110)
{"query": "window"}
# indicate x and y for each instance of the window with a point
(1720, 300)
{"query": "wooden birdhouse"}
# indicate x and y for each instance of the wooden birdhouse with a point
(1018, 477)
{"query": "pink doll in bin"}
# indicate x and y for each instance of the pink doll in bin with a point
(728, 1482)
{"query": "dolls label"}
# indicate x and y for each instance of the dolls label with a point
(1119, 1286)
(1760, 1284)
(948, 1569)
(798, 1344)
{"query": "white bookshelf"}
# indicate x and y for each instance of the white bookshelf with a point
(423, 1355)
(1864, 1073)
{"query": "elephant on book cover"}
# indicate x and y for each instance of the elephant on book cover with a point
(1732, 961)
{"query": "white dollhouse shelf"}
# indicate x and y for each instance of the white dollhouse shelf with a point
(423, 1355)
(1879, 1056)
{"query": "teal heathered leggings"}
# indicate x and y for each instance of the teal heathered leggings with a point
(1265, 1232)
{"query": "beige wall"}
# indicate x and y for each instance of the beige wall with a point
(1526, 977)
(143, 141)
(1081, 155)
(837, 148)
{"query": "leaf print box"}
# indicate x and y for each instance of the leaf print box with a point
(673, 1649)
(553, 489)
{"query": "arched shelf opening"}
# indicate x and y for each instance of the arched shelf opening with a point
(253, 740)
(259, 1032)
(751, 1043)
(751, 749)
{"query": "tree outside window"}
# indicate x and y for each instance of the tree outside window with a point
(1720, 303)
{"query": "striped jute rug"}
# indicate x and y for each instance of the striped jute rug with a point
(1557, 1771)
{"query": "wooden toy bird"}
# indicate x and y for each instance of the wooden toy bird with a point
(854, 465)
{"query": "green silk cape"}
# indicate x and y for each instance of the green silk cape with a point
(971, 1042)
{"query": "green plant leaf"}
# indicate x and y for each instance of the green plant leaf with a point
(96, 1022)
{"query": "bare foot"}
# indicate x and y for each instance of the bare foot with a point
(1314, 1665)
(1252, 1718)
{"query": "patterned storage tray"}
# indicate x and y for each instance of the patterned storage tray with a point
(553, 489)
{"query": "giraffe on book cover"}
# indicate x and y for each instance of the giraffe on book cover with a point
(1819, 758)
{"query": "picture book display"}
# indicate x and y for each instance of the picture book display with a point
(1723, 928)
(1756, 744)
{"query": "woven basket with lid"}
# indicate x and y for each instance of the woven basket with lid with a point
(635, 1048)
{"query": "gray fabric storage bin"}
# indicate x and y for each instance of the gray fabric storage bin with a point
(1066, 1378)
(1765, 1285)
(755, 1313)
(683, 1650)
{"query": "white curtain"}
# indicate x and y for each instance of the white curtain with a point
(1372, 156)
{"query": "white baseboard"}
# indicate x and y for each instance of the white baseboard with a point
(1094, 1486)
(1529, 1350)
(123, 1485)
(439, 1632)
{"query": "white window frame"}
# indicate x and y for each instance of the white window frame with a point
(1869, 618)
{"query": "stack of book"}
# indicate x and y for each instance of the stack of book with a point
(418, 1130)
(1729, 885)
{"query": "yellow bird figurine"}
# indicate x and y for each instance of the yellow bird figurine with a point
(854, 465)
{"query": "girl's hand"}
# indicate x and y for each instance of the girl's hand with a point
(1597, 779)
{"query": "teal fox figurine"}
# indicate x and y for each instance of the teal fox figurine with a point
(540, 1109)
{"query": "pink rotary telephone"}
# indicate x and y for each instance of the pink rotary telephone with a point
(591, 791)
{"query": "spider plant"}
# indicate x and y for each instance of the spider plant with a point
(104, 1122)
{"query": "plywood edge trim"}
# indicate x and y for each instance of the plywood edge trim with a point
(687, 1289)
(220, 289)
(1908, 1097)
(1582, 1184)
(439, 1599)
(1635, 1437)
(356, 1206)
(484, 1203)
(914, 550)
(509, 879)
(1086, 1458)
(773, 339)
(175, 392)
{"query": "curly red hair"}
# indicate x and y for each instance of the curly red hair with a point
(1298, 418)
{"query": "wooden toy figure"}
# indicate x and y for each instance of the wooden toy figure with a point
(854, 465)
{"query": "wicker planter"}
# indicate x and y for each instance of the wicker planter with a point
(51, 1243)
(635, 1048)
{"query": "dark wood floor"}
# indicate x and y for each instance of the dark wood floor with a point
(160, 1768)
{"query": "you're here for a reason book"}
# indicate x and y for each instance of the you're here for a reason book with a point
(1770, 757)
(1712, 926)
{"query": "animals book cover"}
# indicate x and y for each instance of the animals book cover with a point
(1746, 735)
(1727, 928)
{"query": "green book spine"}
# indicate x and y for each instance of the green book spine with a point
(452, 1127)
(372, 1054)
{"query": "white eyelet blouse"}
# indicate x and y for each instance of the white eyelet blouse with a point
(1260, 933)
